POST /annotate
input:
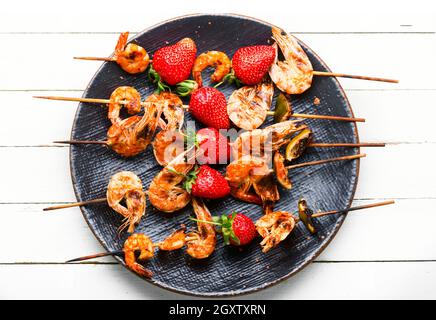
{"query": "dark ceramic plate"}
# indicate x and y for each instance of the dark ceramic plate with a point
(228, 271)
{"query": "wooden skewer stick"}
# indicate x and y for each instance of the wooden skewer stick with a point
(95, 58)
(75, 204)
(325, 117)
(351, 145)
(372, 205)
(97, 255)
(81, 142)
(342, 75)
(94, 100)
(305, 164)
(111, 253)
(320, 116)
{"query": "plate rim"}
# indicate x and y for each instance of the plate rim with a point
(241, 292)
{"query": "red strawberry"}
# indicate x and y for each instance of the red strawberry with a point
(237, 229)
(174, 63)
(214, 147)
(205, 182)
(250, 64)
(209, 106)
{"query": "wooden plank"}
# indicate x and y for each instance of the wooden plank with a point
(403, 231)
(383, 55)
(378, 55)
(395, 116)
(397, 171)
(341, 17)
(40, 121)
(54, 236)
(35, 175)
(388, 115)
(377, 234)
(411, 280)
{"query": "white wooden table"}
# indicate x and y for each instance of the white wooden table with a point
(387, 252)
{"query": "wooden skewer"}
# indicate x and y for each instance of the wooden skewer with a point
(76, 204)
(97, 255)
(311, 163)
(325, 117)
(94, 100)
(111, 253)
(372, 205)
(342, 75)
(305, 164)
(88, 100)
(351, 145)
(95, 58)
(81, 142)
(320, 116)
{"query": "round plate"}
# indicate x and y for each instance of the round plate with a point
(228, 271)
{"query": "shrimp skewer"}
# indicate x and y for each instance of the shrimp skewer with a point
(131, 136)
(275, 227)
(294, 74)
(251, 180)
(141, 243)
(263, 142)
(124, 102)
(130, 57)
(200, 244)
(249, 106)
(124, 185)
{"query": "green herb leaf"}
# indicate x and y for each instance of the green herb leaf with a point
(191, 177)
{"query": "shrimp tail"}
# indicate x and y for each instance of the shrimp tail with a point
(122, 41)
(141, 270)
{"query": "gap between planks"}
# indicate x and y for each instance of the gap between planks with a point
(137, 32)
(388, 143)
(116, 263)
(355, 199)
(346, 90)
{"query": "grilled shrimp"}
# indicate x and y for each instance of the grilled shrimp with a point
(174, 241)
(266, 188)
(274, 227)
(263, 142)
(242, 173)
(281, 171)
(132, 135)
(248, 106)
(131, 58)
(125, 185)
(294, 75)
(123, 94)
(201, 244)
(167, 145)
(217, 59)
(138, 242)
(165, 192)
(172, 109)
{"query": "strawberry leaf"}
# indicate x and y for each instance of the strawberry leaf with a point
(230, 78)
(185, 88)
(156, 80)
(191, 177)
